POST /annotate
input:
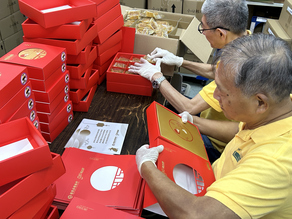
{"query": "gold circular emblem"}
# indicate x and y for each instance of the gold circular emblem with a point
(32, 54)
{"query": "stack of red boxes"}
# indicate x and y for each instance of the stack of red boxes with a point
(70, 25)
(108, 42)
(50, 84)
(17, 99)
(28, 172)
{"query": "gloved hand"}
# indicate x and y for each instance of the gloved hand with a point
(145, 69)
(166, 57)
(144, 153)
(185, 116)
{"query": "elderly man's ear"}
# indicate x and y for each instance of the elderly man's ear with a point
(262, 103)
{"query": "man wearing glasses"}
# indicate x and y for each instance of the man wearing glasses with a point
(222, 22)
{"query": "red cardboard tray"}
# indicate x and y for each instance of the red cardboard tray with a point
(82, 82)
(84, 104)
(81, 58)
(104, 57)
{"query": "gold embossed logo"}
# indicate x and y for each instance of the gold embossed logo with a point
(32, 54)
(180, 130)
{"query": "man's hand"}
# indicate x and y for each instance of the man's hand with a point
(145, 69)
(185, 116)
(166, 57)
(144, 153)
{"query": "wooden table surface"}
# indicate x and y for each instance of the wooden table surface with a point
(114, 107)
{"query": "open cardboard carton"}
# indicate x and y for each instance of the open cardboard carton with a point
(184, 158)
(185, 35)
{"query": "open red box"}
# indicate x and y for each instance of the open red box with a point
(62, 83)
(51, 136)
(84, 104)
(15, 102)
(76, 71)
(73, 30)
(17, 166)
(109, 30)
(77, 95)
(53, 213)
(82, 57)
(38, 206)
(104, 57)
(103, 68)
(41, 60)
(105, 6)
(112, 40)
(13, 78)
(119, 80)
(73, 47)
(54, 12)
(101, 78)
(61, 115)
(82, 82)
(49, 117)
(21, 191)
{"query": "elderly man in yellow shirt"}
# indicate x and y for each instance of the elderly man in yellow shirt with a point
(254, 173)
(222, 22)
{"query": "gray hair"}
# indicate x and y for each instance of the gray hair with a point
(231, 14)
(259, 63)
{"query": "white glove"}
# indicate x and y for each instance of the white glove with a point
(145, 69)
(166, 57)
(185, 116)
(144, 153)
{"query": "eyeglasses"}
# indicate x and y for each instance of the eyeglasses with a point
(201, 29)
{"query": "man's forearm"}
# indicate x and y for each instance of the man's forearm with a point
(201, 69)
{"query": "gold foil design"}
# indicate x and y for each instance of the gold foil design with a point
(32, 54)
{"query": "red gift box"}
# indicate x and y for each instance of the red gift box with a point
(113, 40)
(46, 107)
(84, 104)
(38, 206)
(39, 157)
(62, 83)
(104, 57)
(103, 68)
(21, 191)
(119, 80)
(109, 30)
(81, 58)
(101, 78)
(108, 17)
(74, 30)
(41, 60)
(73, 47)
(61, 115)
(81, 208)
(53, 213)
(12, 78)
(15, 102)
(77, 95)
(82, 82)
(105, 6)
(76, 71)
(53, 13)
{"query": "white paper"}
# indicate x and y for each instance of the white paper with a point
(15, 148)
(56, 9)
(99, 136)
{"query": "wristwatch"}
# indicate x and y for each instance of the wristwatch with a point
(156, 83)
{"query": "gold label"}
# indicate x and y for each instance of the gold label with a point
(32, 54)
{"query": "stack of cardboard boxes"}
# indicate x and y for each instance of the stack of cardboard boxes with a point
(281, 28)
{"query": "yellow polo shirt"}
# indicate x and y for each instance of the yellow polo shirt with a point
(254, 173)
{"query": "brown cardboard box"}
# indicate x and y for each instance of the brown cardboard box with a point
(11, 24)
(286, 16)
(273, 27)
(13, 41)
(8, 7)
(174, 6)
(134, 3)
(193, 7)
(2, 48)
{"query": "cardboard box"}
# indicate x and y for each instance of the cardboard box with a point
(11, 24)
(105, 6)
(77, 95)
(84, 104)
(76, 71)
(109, 30)
(2, 48)
(82, 57)
(273, 27)
(50, 107)
(186, 35)
(193, 7)
(15, 102)
(173, 6)
(101, 78)
(53, 13)
(257, 24)
(118, 80)
(50, 137)
(72, 47)
(19, 132)
(13, 41)
(134, 3)
(61, 115)
(285, 17)
(103, 68)
(112, 40)
(41, 60)
(82, 82)
(104, 57)
(12, 79)
(8, 7)
(53, 213)
(28, 187)
(128, 39)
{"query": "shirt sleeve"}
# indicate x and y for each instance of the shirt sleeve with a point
(207, 94)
